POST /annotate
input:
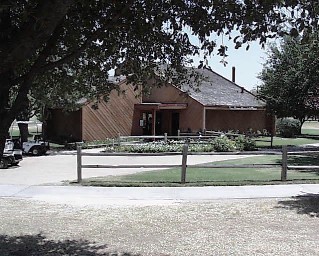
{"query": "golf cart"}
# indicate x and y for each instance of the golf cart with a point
(36, 146)
(12, 154)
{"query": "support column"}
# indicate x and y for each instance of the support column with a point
(154, 122)
(204, 120)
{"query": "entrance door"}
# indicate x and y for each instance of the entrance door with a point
(175, 123)
(147, 123)
(158, 124)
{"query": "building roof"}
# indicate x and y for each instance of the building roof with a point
(216, 90)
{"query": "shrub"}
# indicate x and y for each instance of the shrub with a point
(288, 127)
(200, 147)
(220, 144)
(150, 147)
(245, 143)
(223, 144)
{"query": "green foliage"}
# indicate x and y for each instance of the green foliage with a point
(223, 144)
(161, 147)
(245, 143)
(288, 127)
(201, 147)
(290, 77)
(68, 48)
(54, 53)
(152, 147)
(219, 144)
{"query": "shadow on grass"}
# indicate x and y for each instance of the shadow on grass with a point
(306, 204)
(39, 245)
(303, 160)
(298, 160)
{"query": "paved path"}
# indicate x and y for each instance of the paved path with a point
(53, 169)
(45, 219)
(119, 196)
(34, 178)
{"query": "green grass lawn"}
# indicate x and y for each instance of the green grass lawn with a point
(310, 132)
(214, 176)
(278, 141)
(310, 128)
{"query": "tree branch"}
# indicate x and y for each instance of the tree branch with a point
(77, 53)
(34, 33)
(44, 54)
(26, 80)
(40, 67)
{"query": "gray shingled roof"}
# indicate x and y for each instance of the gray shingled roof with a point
(216, 90)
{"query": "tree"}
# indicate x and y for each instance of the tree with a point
(290, 78)
(65, 48)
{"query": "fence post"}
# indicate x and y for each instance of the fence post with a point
(119, 140)
(284, 163)
(79, 163)
(165, 137)
(184, 163)
(178, 133)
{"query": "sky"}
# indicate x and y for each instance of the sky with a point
(248, 64)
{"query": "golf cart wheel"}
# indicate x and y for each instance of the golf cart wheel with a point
(3, 163)
(35, 151)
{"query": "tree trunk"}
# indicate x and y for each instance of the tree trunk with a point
(29, 40)
(4, 134)
(302, 121)
(24, 127)
(9, 112)
(6, 82)
(24, 131)
(6, 116)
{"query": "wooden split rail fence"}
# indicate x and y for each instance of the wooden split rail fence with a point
(284, 163)
(202, 137)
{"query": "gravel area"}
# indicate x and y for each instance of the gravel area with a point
(219, 227)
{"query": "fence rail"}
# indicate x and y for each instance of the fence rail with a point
(284, 163)
(203, 137)
(191, 138)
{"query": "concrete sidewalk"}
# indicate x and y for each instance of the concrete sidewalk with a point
(32, 180)
(122, 196)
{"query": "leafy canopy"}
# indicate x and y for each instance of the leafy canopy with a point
(290, 78)
(56, 51)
